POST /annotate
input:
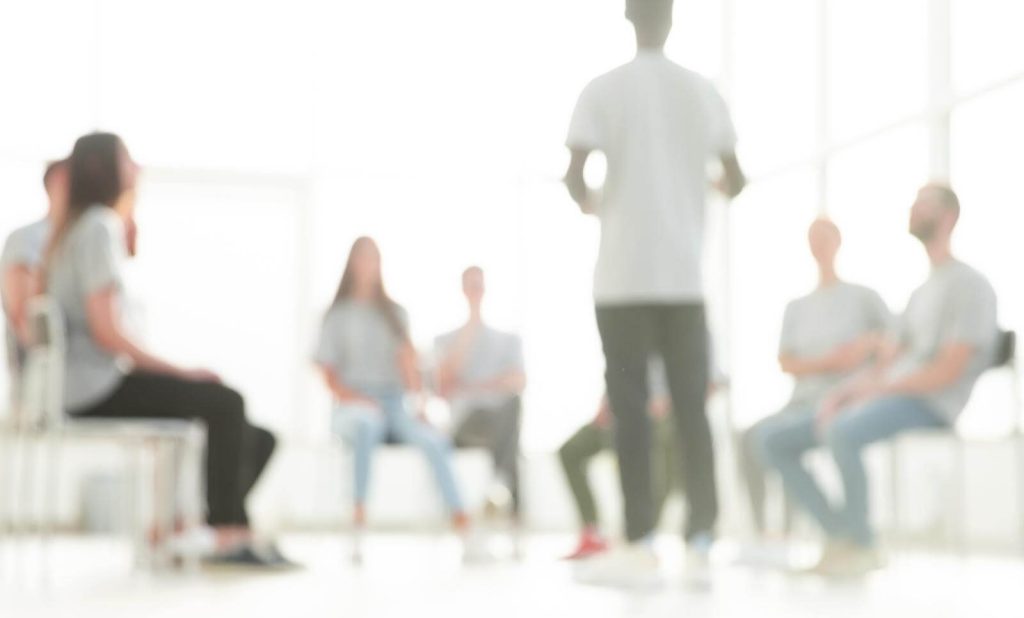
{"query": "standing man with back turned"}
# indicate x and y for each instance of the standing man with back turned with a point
(658, 125)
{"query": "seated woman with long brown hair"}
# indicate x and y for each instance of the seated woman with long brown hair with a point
(109, 374)
(370, 366)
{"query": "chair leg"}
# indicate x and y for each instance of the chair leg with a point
(518, 511)
(162, 525)
(894, 492)
(6, 498)
(21, 497)
(191, 470)
(51, 449)
(1018, 440)
(1018, 473)
(960, 497)
(137, 523)
(39, 476)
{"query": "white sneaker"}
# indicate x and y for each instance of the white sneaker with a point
(358, 534)
(844, 559)
(634, 566)
(198, 541)
(698, 551)
(698, 560)
(475, 548)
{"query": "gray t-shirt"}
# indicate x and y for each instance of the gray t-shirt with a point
(23, 247)
(955, 305)
(816, 324)
(359, 345)
(492, 354)
(90, 259)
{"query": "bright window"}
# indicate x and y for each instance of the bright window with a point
(277, 132)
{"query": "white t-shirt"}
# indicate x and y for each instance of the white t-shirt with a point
(955, 305)
(24, 247)
(658, 124)
(492, 354)
(91, 258)
(819, 323)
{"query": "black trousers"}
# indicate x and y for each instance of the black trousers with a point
(677, 333)
(236, 451)
(497, 430)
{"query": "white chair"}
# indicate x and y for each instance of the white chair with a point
(165, 455)
(404, 493)
(1006, 358)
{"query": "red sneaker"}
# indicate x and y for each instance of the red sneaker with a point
(588, 547)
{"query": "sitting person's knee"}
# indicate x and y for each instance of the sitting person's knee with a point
(566, 453)
(838, 436)
(433, 442)
(266, 440)
(363, 425)
(229, 403)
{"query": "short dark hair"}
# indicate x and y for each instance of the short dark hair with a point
(647, 12)
(52, 168)
(947, 197)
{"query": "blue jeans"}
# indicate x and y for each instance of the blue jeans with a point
(365, 427)
(752, 464)
(784, 441)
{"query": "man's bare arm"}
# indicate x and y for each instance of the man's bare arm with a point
(576, 183)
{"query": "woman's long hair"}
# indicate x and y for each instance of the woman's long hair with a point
(387, 307)
(95, 178)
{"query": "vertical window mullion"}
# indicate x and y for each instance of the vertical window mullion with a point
(940, 88)
(823, 120)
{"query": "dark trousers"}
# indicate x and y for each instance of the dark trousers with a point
(591, 440)
(498, 431)
(236, 452)
(677, 333)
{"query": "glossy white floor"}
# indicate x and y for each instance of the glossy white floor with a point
(422, 576)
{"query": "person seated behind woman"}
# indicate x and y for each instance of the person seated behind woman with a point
(597, 437)
(83, 272)
(369, 364)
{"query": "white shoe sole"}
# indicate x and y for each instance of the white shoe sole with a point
(587, 575)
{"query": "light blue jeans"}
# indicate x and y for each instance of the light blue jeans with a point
(365, 428)
(783, 442)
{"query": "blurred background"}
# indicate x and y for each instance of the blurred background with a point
(274, 133)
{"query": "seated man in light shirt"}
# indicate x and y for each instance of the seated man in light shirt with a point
(480, 373)
(947, 337)
(827, 336)
(22, 254)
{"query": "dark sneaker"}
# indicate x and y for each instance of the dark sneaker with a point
(249, 557)
(272, 553)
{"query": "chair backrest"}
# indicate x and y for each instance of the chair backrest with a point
(42, 376)
(13, 370)
(1006, 350)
